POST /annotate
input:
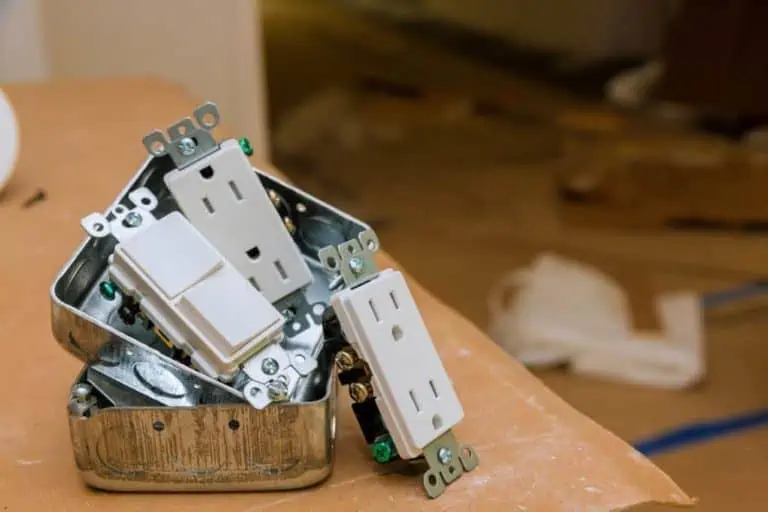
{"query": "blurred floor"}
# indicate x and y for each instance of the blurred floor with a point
(454, 163)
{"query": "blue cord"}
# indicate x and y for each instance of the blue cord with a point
(741, 292)
(708, 430)
(700, 432)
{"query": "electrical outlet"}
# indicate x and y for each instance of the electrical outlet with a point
(194, 296)
(224, 199)
(414, 394)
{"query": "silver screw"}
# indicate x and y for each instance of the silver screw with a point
(357, 265)
(132, 220)
(277, 390)
(444, 455)
(269, 366)
(186, 146)
(81, 392)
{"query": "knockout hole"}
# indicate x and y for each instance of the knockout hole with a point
(146, 201)
(432, 479)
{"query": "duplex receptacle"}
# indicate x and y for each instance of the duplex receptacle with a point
(414, 394)
(224, 199)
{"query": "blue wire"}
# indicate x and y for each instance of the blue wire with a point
(701, 432)
(741, 292)
(708, 430)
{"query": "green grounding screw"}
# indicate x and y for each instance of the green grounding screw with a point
(383, 450)
(108, 290)
(245, 145)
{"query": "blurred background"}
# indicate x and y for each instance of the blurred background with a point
(475, 136)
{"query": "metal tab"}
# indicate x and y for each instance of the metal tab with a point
(353, 259)
(186, 142)
(447, 461)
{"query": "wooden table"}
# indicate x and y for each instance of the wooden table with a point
(81, 141)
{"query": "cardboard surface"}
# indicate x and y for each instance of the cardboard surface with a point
(81, 142)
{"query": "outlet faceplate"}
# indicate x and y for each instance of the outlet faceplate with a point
(415, 395)
(224, 199)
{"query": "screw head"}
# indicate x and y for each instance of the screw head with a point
(444, 455)
(187, 146)
(358, 391)
(245, 146)
(277, 390)
(345, 360)
(383, 450)
(108, 290)
(81, 392)
(289, 225)
(132, 220)
(357, 265)
(269, 366)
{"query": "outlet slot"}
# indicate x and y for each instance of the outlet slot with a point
(434, 388)
(394, 299)
(415, 402)
(373, 310)
(437, 422)
(235, 190)
(206, 172)
(208, 205)
(281, 270)
(397, 332)
(254, 283)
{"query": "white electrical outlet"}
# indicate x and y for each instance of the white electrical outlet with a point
(224, 199)
(195, 296)
(414, 394)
